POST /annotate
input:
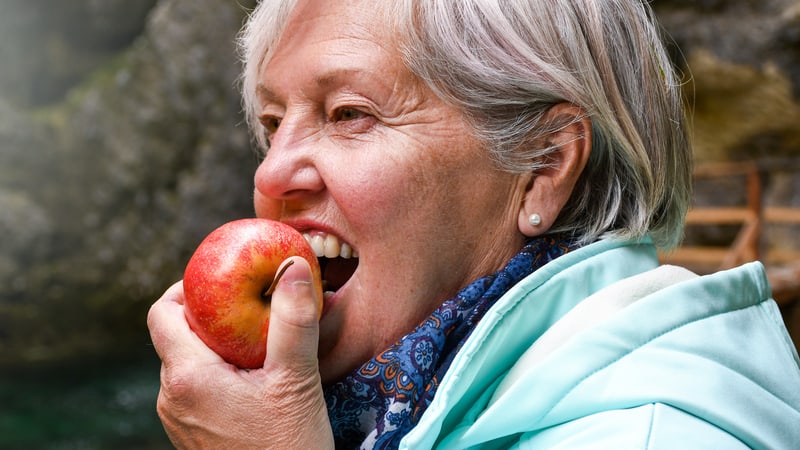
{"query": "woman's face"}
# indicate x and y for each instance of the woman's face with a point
(363, 153)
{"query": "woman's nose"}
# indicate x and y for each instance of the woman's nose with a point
(289, 171)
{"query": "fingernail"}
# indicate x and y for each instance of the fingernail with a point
(298, 271)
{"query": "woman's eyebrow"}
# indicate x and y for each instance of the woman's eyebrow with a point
(265, 94)
(335, 76)
(324, 80)
(348, 77)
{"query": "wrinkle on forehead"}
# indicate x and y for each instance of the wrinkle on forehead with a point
(319, 25)
(359, 19)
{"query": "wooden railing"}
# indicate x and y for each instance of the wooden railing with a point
(752, 217)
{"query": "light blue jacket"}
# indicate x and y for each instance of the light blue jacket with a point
(660, 360)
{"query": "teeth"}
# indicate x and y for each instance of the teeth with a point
(317, 244)
(332, 246)
(347, 251)
(329, 246)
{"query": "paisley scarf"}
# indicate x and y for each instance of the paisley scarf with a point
(381, 401)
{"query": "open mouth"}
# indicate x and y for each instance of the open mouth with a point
(337, 259)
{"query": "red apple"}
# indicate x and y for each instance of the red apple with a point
(227, 286)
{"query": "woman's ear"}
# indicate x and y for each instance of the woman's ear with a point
(549, 189)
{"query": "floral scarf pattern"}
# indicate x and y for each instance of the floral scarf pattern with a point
(381, 401)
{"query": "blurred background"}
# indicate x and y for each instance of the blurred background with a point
(122, 145)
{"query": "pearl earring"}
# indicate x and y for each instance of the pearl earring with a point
(534, 219)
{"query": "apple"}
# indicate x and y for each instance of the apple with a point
(228, 284)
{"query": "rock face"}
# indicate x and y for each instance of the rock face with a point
(122, 144)
(744, 68)
(107, 186)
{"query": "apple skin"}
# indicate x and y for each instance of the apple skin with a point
(226, 278)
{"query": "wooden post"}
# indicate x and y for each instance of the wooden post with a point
(754, 202)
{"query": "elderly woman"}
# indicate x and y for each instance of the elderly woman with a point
(504, 171)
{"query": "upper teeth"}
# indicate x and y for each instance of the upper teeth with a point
(329, 246)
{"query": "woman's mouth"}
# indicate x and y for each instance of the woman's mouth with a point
(337, 260)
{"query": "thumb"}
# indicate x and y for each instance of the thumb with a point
(293, 336)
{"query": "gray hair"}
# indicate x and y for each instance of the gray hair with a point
(505, 63)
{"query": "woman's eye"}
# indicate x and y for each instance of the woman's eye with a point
(271, 124)
(347, 114)
(352, 121)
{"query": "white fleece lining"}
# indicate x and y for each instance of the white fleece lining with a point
(591, 311)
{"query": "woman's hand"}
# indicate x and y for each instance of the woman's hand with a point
(205, 402)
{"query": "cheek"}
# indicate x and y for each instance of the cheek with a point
(375, 195)
(406, 188)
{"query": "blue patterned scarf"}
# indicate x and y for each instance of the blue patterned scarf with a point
(381, 401)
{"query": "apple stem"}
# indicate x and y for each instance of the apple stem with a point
(278, 276)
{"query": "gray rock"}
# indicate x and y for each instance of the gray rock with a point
(106, 191)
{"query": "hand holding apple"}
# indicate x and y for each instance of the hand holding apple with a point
(228, 284)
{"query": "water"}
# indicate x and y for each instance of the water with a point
(105, 406)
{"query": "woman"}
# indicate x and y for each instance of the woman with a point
(502, 170)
